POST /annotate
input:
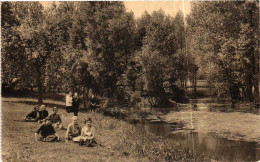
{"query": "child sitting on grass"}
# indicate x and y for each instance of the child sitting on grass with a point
(47, 132)
(43, 113)
(73, 130)
(87, 134)
(55, 118)
(32, 116)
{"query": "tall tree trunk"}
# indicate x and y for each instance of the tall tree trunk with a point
(249, 93)
(40, 89)
(87, 99)
(254, 63)
(256, 93)
(31, 86)
(84, 98)
(195, 82)
(134, 85)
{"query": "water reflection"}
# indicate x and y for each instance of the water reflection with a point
(218, 148)
(221, 106)
(210, 145)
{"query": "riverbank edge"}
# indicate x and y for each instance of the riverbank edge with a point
(233, 133)
(147, 114)
(124, 140)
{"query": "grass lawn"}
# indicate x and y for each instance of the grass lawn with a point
(120, 141)
(18, 137)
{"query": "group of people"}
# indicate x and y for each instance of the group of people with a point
(38, 114)
(50, 122)
(72, 103)
(84, 136)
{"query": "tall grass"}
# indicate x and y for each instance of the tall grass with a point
(139, 143)
(133, 141)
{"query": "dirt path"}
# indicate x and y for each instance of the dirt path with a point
(233, 126)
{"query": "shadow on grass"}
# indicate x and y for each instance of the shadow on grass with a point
(34, 103)
(34, 95)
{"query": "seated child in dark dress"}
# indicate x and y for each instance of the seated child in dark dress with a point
(48, 134)
(32, 116)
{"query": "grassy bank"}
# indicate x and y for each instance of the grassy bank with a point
(119, 140)
(233, 126)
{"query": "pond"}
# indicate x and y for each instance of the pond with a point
(206, 104)
(199, 111)
(209, 145)
(209, 105)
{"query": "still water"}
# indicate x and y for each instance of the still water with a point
(216, 148)
(207, 104)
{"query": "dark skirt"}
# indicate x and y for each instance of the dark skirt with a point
(69, 109)
(75, 110)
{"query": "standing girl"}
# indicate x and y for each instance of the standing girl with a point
(75, 104)
(69, 102)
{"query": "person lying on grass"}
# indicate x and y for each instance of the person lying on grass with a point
(55, 118)
(47, 132)
(43, 113)
(32, 116)
(87, 136)
(73, 130)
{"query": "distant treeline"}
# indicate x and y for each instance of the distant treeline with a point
(98, 47)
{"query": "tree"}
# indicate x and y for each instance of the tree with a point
(110, 43)
(155, 68)
(12, 50)
(37, 40)
(223, 38)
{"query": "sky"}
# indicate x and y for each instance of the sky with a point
(169, 7)
(138, 7)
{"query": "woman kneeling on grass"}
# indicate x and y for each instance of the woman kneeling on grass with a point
(47, 131)
(73, 130)
(87, 134)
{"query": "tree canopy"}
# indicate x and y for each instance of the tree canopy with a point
(99, 47)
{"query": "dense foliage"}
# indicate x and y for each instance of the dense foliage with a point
(98, 47)
(225, 41)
